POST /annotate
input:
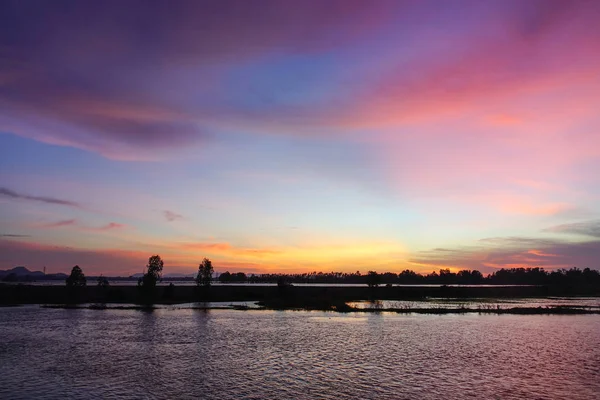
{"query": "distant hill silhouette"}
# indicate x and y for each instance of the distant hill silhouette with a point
(178, 275)
(21, 273)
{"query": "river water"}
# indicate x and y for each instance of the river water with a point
(257, 354)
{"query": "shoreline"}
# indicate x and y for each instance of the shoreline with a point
(548, 310)
(321, 298)
(32, 294)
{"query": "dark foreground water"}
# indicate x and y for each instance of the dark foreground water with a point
(228, 354)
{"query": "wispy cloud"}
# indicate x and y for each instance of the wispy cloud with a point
(587, 228)
(13, 235)
(11, 194)
(172, 216)
(111, 225)
(74, 223)
(58, 224)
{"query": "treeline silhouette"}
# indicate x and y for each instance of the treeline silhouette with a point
(504, 276)
(284, 294)
(205, 275)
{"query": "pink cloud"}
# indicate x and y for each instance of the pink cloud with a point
(58, 224)
(109, 226)
(519, 204)
(540, 209)
(517, 54)
(75, 224)
(455, 103)
(520, 49)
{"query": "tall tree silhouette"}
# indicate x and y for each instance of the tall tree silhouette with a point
(147, 283)
(153, 272)
(205, 272)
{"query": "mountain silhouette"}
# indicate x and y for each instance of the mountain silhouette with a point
(21, 272)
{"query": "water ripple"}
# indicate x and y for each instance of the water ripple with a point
(224, 354)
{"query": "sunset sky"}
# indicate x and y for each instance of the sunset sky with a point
(290, 136)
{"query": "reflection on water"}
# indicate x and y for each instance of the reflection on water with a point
(227, 354)
(589, 303)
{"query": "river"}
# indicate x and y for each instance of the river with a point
(258, 354)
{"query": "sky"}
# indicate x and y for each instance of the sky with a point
(296, 136)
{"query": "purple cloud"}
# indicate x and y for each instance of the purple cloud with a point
(120, 85)
(98, 76)
(172, 216)
(110, 226)
(13, 235)
(587, 228)
(75, 223)
(11, 194)
(507, 252)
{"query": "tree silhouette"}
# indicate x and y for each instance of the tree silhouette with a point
(103, 282)
(77, 278)
(153, 272)
(205, 272)
(373, 279)
(236, 277)
(147, 283)
(169, 292)
(225, 277)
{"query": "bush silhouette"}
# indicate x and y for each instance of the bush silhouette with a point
(373, 279)
(169, 292)
(103, 282)
(77, 278)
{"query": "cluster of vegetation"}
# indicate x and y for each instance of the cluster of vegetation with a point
(148, 281)
(227, 277)
(443, 283)
(538, 276)
(512, 276)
